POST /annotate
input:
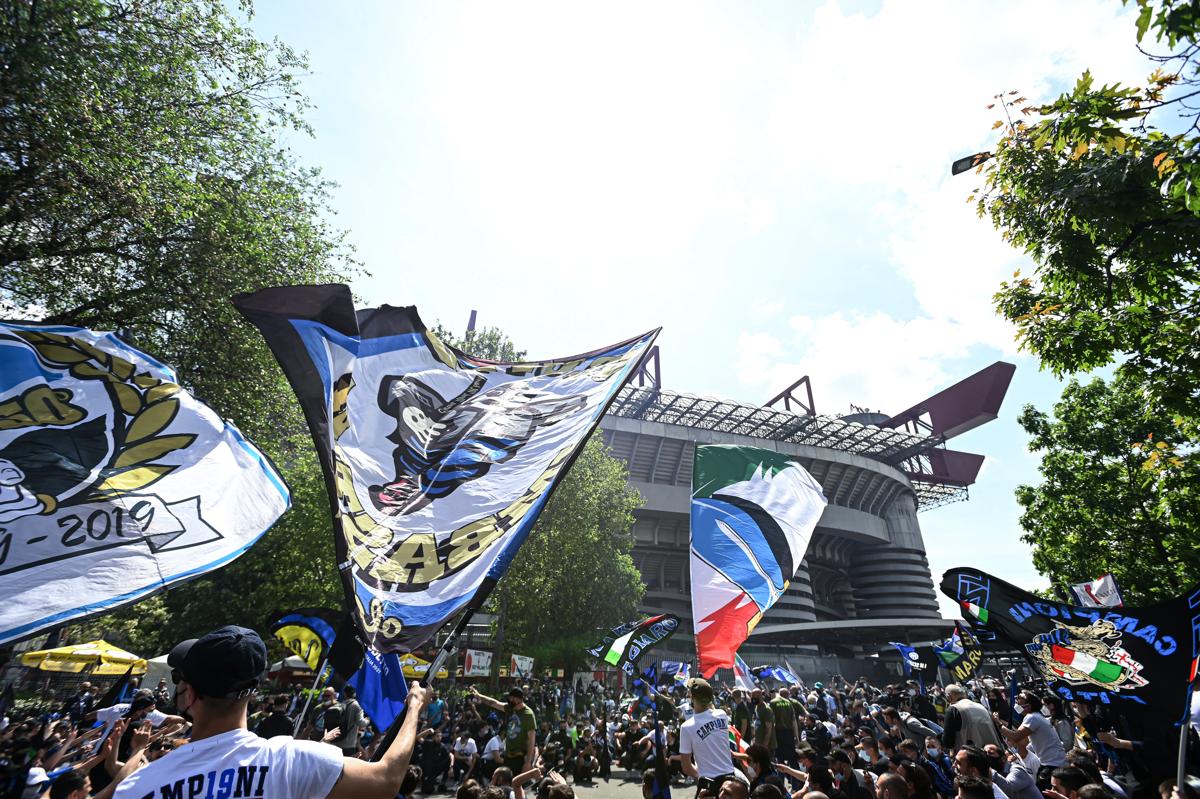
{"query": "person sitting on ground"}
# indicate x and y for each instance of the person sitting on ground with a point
(733, 788)
(470, 789)
(1065, 783)
(891, 786)
(971, 761)
(215, 676)
(971, 788)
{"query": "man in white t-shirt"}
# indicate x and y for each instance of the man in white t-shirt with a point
(463, 753)
(1042, 738)
(704, 740)
(215, 676)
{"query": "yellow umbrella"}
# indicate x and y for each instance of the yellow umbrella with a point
(415, 668)
(94, 657)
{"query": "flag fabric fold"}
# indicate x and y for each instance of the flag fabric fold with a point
(115, 482)
(437, 463)
(753, 512)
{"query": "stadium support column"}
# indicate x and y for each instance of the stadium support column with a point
(892, 580)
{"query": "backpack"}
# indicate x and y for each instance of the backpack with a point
(331, 718)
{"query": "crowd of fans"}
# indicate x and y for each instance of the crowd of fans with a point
(833, 740)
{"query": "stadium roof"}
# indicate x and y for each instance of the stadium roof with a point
(897, 448)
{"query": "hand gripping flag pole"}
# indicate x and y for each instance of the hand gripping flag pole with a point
(443, 655)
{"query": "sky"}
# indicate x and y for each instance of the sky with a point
(769, 182)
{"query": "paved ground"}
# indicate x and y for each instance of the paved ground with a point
(616, 788)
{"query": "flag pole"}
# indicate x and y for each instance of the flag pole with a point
(442, 656)
(308, 699)
(1181, 766)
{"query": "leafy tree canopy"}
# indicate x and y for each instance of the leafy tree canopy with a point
(1103, 506)
(1101, 188)
(142, 184)
(1107, 204)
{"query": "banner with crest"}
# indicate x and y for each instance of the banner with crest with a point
(114, 482)
(1140, 662)
(437, 462)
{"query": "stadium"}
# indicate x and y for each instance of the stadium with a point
(866, 579)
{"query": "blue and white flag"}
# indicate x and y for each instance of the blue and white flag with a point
(777, 673)
(675, 670)
(115, 482)
(381, 687)
(437, 462)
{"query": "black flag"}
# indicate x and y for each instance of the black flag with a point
(114, 694)
(1138, 662)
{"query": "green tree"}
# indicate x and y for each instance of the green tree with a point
(142, 184)
(1101, 188)
(487, 342)
(1106, 204)
(575, 573)
(1100, 508)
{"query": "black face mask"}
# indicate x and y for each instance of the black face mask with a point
(997, 763)
(184, 712)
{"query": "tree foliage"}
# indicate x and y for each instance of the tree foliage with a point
(1101, 188)
(1102, 506)
(142, 184)
(575, 573)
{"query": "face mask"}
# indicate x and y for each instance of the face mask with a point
(1047, 711)
(863, 756)
(931, 752)
(996, 763)
(912, 691)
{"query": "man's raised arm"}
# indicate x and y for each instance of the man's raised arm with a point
(495, 704)
(382, 779)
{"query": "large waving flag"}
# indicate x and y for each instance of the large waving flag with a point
(437, 463)
(627, 647)
(753, 514)
(1141, 661)
(115, 483)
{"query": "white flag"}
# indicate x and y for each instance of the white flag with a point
(1100, 593)
(114, 482)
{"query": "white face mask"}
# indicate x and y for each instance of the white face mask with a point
(1047, 711)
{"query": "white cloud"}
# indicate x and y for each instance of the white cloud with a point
(877, 107)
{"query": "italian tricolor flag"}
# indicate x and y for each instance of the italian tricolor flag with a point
(617, 649)
(976, 611)
(1101, 670)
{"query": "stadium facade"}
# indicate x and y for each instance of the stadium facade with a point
(865, 580)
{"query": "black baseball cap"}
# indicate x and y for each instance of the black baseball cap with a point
(517, 692)
(225, 664)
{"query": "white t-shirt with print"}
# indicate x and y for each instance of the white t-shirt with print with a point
(705, 736)
(465, 748)
(494, 744)
(239, 763)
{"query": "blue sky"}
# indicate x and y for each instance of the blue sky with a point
(767, 181)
